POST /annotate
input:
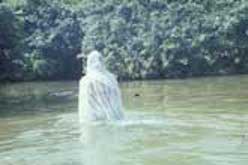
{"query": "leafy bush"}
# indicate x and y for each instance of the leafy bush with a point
(10, 44)
(164, 38)
(139, 39)
(53, 39)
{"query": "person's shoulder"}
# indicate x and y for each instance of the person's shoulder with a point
(84, 80)
(113, 76)
(87, 80)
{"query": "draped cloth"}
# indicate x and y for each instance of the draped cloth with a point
(99, 94)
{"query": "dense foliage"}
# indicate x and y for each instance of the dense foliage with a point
(53, 41)
(139, 38)
(151, 38)
(10, 44)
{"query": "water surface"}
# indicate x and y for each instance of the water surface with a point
(172, 122)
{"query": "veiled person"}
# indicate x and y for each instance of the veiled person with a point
(99, 94)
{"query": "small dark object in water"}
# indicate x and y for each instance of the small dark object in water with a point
(136, 94)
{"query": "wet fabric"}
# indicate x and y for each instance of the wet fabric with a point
(99, 94)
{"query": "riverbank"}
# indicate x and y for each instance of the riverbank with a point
(23, 92)
(6, 82)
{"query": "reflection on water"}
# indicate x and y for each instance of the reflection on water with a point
(190, 122)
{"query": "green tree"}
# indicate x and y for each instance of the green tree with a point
(164, 38)
(53, 40)
(140, 39)
(10, 44)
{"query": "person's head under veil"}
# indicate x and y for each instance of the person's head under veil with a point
(99, 95)
(95, 62)
(96, 70)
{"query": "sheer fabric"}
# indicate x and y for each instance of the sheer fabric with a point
(99, 94)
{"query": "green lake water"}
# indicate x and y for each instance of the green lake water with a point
(201, 121)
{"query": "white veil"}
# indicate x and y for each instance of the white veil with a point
(99, 94)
